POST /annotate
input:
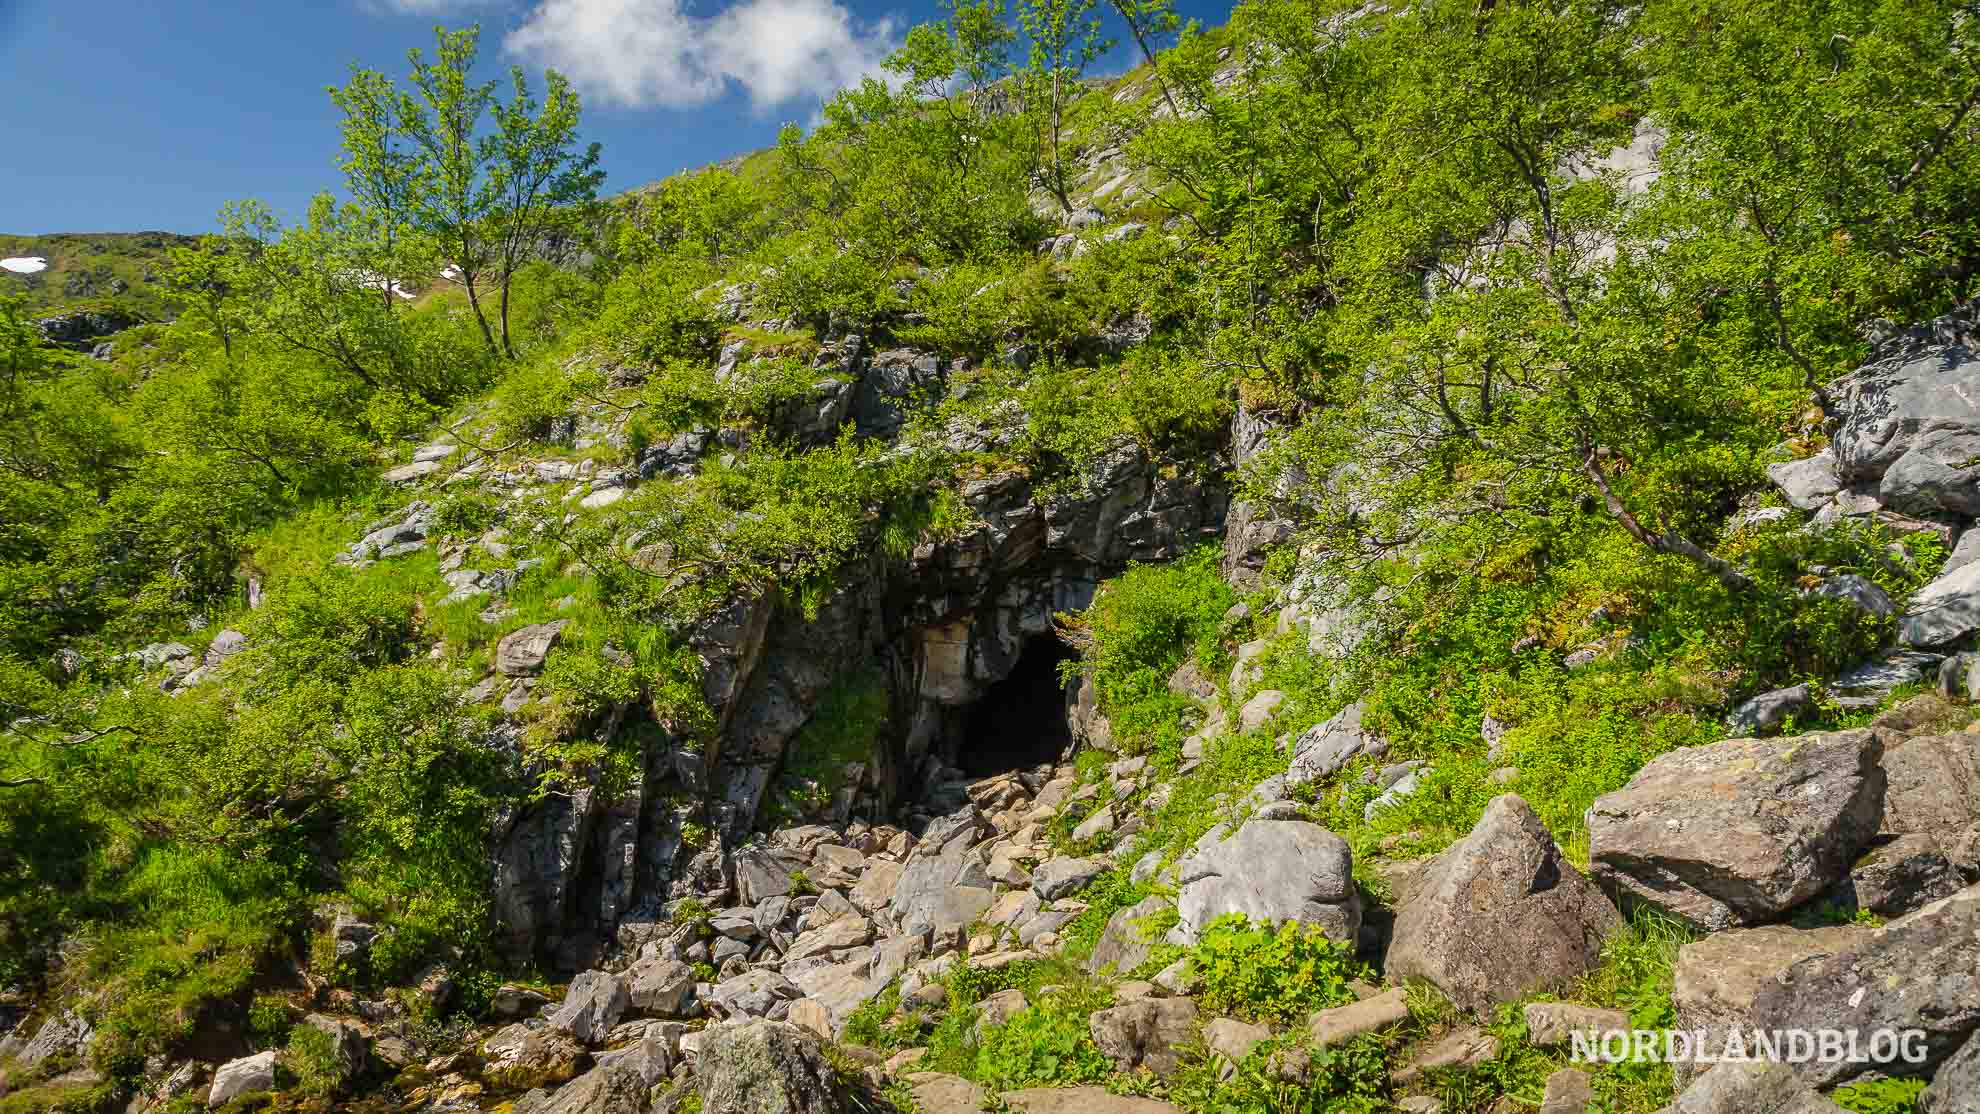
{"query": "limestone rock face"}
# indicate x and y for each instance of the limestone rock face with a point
(1269, 870)
(765, 1067)
(1500, 913)
(1741, 831)
(1921, 971)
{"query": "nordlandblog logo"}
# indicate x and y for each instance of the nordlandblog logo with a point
(1739, 1046)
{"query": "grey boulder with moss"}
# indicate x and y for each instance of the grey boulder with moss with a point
(766, 1067)
(1269, 870)
(1500, 914)
(1741, 831)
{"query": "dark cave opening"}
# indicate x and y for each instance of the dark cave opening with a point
(1021, 720)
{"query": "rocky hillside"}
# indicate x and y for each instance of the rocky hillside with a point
(1278, 582)
(117, 275)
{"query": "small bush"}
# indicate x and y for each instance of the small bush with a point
(1260, 973)
(1046, 1045)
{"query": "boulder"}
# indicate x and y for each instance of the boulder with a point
(1920, 972)
(1124, 944)
(1145, 1033)
(1910, 424)
(1327, 747)
(840, 988)
(521, 652)
(1897, 876)
(936, 1093)
(243, 1076)
(1568, 1091)
(1272, 871)
(754, 993)
(1057, 878)
(1943, 612)
(1500, 914)
(1553, 1024)
(765, 1067)
(1872, 682)
(1717, 977)
(1259, 710)
(1232, 1040)
(519, 1058)
(1370, 1015)
(592, 1005)
(661, 987)
(942, 884)
(1766, 712)
(1807, 483)
(1955, 1087)
(1740, 831)
(1750, 1088)
(618, 1087)
(1460, 1050)
(1860, 592)
(65, 1034)
(348, 1047)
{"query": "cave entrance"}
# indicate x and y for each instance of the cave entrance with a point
(1021, 720)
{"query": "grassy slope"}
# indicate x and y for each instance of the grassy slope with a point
(92, 269)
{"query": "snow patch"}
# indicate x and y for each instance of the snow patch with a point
(25, 264)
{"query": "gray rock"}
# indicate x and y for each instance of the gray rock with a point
(224, 645)
(1920, 972)
(349, 1048)
(1871, 683)
(1857, 590)
(1568, 1091)
(617, 1087)
(1766, 712)
(592, 1005)
(1500, 914)
(1145, 1033)
(65, 1034)
(1232, 1041)
(1896, 877)
(1752, 1088)
(1944, 612)
(1125, 944)
(239, 1077)
(1552, 1024)
(522, 651)
(1269, 870)
(754, 993)
(1373, 1014)
(1259, 710)
(1807, 483)
(661, 987)
(1717, 977)
(1057, 878)
(765, 1067)
(1955, 1088)
(1741, 831)
(1327, 747)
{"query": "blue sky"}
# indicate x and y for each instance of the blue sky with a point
(124, 115)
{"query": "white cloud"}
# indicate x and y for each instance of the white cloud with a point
(642, 53)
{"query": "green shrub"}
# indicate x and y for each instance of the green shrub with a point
(1045, 1045)
(1879, 1096)
(1261, 973)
